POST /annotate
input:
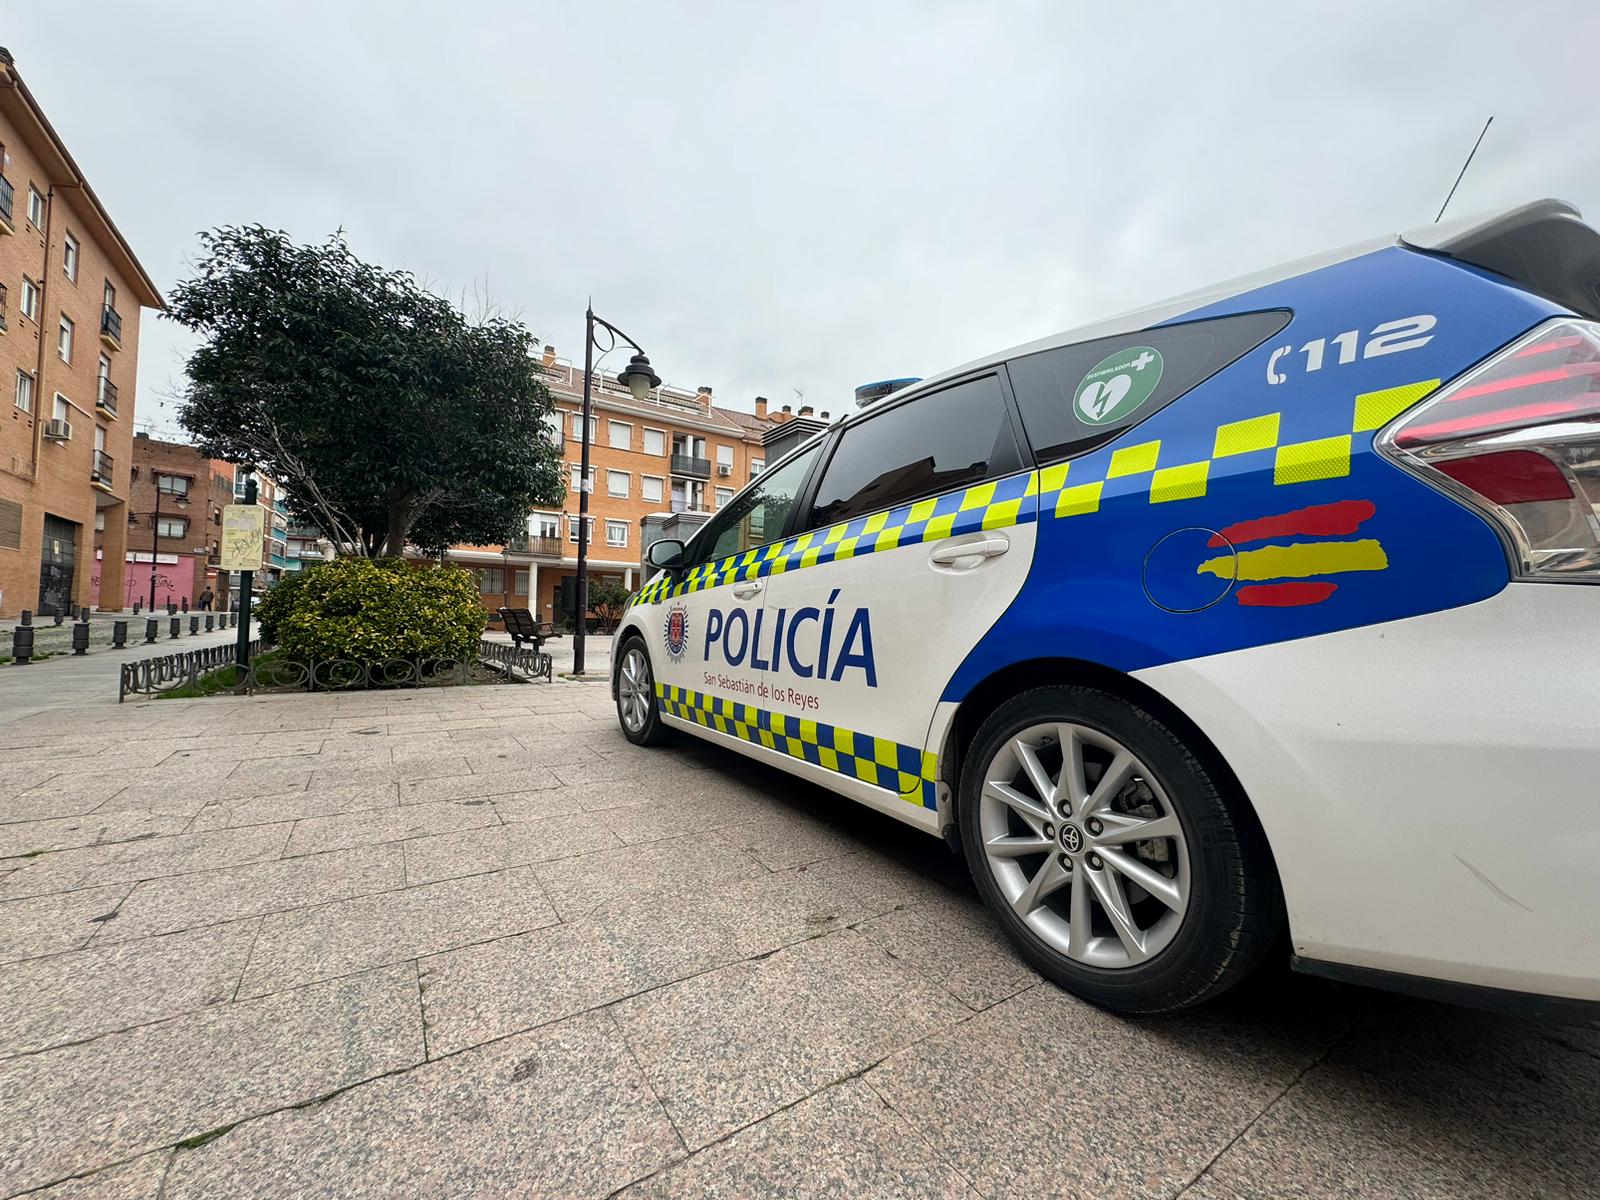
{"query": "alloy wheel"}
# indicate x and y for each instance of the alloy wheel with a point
(1084, 844)
(634, 690)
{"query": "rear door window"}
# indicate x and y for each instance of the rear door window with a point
(932, 444)
(1079, 397)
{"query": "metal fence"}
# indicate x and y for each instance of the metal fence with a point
(171, 672)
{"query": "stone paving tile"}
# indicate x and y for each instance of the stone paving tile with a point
(138, 1179)
(303, 944)
(779, 840)
(482, 992)
(72, 1109)
(661, 770)
(496, 847)
(64, 787)
(681, 813)
(55, 923)
(92, 829)
(69, 997)
(64, 870)
(296, 805)
(578, 886)
(958, 947)
(1043, 1094)
(536, 806)
(467, 786)
(735, 1045)
(318, 834)
(561, 1112)
(24, 805)
(205, 898)
(842, 1142)
(17, 776)
(1447, 1103)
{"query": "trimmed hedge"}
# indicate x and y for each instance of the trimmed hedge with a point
(369, 612)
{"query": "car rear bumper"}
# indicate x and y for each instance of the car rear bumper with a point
(1430, 787)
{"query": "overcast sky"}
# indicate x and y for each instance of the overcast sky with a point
(806, 196)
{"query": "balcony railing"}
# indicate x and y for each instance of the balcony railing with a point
(687, 464)
(7, 196)
(106, 398)
(100, 469)
(2, 307)
(111, 327)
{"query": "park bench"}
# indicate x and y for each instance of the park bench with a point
(526, 632)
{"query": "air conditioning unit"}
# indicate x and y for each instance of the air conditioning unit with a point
(57, 431)
(724, 469)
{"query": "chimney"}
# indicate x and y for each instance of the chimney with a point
(703, 398)
(806, 410)
(788, 408)
(761, 408)
(824, 414)
(549, 355)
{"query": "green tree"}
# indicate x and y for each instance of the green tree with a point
(386, 414)
(608, 601)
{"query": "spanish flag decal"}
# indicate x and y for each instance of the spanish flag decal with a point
(1294, 574)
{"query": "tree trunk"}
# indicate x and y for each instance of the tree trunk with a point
(394, 540)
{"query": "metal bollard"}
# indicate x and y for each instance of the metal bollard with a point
(80, 638)
(210, 620)
(152, 630)
(177, 627)
(119, 634)
(194, 625)
(136, 604)
(59, 615)
(22, 641)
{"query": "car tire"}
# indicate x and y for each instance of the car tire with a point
(638, 711)
(1134, 924)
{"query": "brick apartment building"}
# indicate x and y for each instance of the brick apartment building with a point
(175, 500)
(71, 292)
(674, 452)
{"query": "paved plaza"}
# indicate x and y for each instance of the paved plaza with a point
(469, 942)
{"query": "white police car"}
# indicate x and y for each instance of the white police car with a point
(1271, 605)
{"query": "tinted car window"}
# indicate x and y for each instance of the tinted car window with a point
(1082, 396)
(935, 443)
(756, 515)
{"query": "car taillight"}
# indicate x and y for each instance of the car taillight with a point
(1519, 440)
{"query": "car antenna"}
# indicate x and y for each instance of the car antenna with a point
(1464, 167)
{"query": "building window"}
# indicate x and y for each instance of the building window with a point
(756, 467)
(69, 257)
(723, 496)
(172, 527)
(617, 484)
(491, 580)
(544, 525)
(99, 520)
(725, 457)
(688, 495)
(577, 426)
(30, 299)
(655, 442)
(519, 582)
(62, 409)
(25, 391)
(621, 435)
(650, 488)
(572, 530)
(35, 207)
(552, 424)
(577, 477)
(616, 533)
(174, 485)
(64, 339)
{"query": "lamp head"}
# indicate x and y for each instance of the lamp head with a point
(638, 377)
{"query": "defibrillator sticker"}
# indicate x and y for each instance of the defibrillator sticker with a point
(1115, 387)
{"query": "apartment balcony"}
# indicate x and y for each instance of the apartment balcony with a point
(111, 328)
(100, 470)
(2, 308)
(691, 467)
(7, 198)
(538, 547)
(105, 399)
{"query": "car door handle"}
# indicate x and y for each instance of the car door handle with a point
(743, 591)
(953, 552)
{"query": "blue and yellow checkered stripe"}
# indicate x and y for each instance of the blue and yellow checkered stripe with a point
(992, 505)
(1068, 489)
(906, 770)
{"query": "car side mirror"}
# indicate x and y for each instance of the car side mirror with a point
(666, 554)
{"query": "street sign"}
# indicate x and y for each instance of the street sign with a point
(244, 537)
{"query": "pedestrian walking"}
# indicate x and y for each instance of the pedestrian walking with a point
(205, 600)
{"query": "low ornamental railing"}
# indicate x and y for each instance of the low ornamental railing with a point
(172, 672)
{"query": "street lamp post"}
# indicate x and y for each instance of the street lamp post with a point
(638, 378)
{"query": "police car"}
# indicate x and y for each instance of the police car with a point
(1268, 608)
